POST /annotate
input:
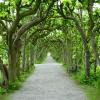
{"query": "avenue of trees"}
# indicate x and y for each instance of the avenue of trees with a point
(68, 29)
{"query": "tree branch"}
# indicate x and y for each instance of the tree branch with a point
(61, 12)
(3, 24)
(27, 5)
(32, 10)
(32, 23)
(78, 26)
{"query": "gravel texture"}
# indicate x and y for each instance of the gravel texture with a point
(49, 82)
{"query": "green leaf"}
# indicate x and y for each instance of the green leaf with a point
(66, 1)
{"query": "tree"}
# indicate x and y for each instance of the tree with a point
(67, 11)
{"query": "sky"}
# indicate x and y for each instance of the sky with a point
(0, 0)
(97, 5)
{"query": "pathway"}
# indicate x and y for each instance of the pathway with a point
(49, 82)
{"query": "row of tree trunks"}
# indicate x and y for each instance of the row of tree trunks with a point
(15, 31)
(14, 55)
(86, 38)
(92, 35)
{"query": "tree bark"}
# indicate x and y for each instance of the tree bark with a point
(4, 71)
(12, 63)
(23, 55)
(95, 50)
(87, 63)
(64, 53)
(18, 64)
(86, 49)
(31, 55)
(27, 63)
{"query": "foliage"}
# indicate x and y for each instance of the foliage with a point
(91, 86)
(68, 29)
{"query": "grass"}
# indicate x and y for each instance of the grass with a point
(4, 97)
(91, 87)
(4, 93)
(92, 91)
(17, 84)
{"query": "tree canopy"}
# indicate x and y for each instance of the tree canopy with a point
(68, 29)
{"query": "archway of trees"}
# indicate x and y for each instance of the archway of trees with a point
(29, 29)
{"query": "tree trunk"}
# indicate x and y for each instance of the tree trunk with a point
(4, 71)
(64, 54)
(23, 56)
(95, 50)
(69, 53)
(12, 63)
(86, 49)
(18, 63)
(31, 55)
(11, 58)
(96, 54)
(87, 63)
(95, 66)
(27, 62)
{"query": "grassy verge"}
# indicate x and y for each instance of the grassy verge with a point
(92, 91)
(90, 87)
(4, 97)
(16, 84)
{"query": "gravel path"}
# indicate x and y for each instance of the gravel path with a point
(49, 82)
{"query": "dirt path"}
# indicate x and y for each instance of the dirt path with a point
(49, 82)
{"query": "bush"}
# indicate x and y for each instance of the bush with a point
(3, 90)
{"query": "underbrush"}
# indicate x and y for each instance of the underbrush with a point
(15, 85)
